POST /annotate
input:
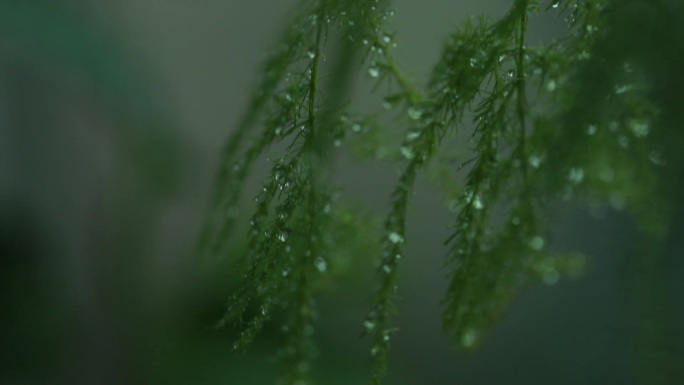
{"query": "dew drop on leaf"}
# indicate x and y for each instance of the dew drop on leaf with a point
(656, 158)
(576, 175)
(321, 265)
(621, 89)
(469, 338)
(282, 236)
(395, 237)
(535, 161)
(551, 85)
(415, 113)
(374, 72)
(375, 350)
(639, 128)
(406, 152)
(412, 135)
(477, 203)
(536, 243)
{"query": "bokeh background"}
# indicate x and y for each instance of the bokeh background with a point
(112, 116)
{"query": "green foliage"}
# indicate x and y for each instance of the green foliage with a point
(567, 119)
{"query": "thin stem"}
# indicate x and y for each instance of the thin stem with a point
(521, 107)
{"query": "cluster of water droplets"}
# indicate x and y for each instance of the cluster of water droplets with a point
(473, 199)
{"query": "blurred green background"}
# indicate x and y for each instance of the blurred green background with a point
(112, 116)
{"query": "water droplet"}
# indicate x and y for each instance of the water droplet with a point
(321, 265)
(412, 135)
(286, 272)
(536, 243)
(535, 161)
(473, 62)
(311, 54)
(622, 88)
(395, 237)
(337, 143)
(375, 350)
(576, 175)
(551, 85)
(477, 203)
(469, 338)
(656, 158)
(369, 325)
(356, 127)
(639, 127)
(414, 113)
(387, 269)
(555, 4)
(374, 72)
(591, 129)
(406, 152)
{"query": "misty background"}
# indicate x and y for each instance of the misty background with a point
(112, 117)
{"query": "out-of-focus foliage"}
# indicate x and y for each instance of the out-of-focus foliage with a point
(87, 154)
